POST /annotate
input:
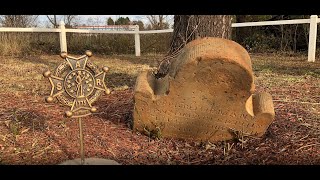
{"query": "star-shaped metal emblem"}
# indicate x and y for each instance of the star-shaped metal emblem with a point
(77, 83)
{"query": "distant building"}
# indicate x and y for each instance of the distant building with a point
(109, 27)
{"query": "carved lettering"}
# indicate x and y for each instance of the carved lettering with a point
(98, 82)
(81, 103)
(59, 86)
(78, 64)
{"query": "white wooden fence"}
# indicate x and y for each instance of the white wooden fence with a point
(313, 21)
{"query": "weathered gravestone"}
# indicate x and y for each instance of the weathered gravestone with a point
(207, 95)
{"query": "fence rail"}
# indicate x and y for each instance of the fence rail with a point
(313, 21)
(8, 29)
(268, 23)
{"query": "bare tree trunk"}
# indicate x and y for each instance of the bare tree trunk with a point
(295, 39)
(282, 35)
(191, 27)
(53, 21)
(241, 32)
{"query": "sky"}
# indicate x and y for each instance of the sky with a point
(114, 17)
(43, 21)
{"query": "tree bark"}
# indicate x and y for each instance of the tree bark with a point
(240, 32)
(191, 27)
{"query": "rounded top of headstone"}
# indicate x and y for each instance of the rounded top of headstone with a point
(212, 49)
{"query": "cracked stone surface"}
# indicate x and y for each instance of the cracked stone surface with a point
(208, 95)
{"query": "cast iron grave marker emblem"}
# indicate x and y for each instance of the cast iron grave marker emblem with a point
(77, 83)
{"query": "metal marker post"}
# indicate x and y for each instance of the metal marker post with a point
(77, 83)
(81, 141)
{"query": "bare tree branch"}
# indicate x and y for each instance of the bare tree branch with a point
(18, 20)
(69, 20)
(158, 21)
(53, 20)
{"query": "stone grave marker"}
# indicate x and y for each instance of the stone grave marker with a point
(208, 95)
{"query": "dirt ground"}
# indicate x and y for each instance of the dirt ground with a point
(34, 132)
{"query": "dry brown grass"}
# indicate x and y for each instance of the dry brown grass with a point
(24, 74)
(294, 84)
(28, 43)
(105, 44)
(34, 132)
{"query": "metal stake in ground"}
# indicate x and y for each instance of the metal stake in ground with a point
(81, 141)
(77, 83)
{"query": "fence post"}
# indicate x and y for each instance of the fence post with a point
(137, 40)
(63, 37)
(312, 38)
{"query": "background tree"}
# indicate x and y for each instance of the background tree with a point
(110, 21)
(139, 23)
(19, 20)
(240, 32)
(53, 20)
(122, 21)
(69, 20)
(158, 22)
(191, 27)
(95, 21)
(280, 38)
